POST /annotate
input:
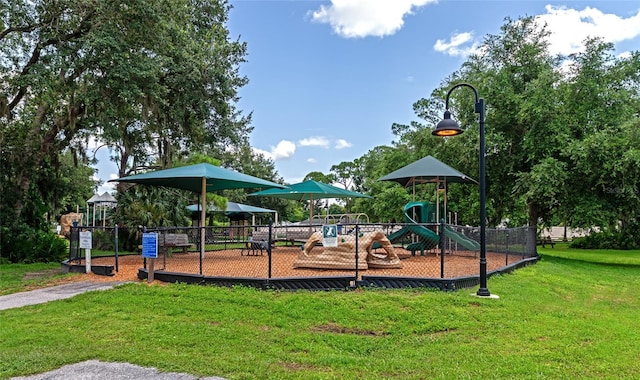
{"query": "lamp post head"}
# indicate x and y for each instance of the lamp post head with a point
(447, 127)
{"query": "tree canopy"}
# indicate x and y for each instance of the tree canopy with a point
(152, 80)
(561, 135)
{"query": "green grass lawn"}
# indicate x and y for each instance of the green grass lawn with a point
(21, 277)
(560, 318)
(602, 256)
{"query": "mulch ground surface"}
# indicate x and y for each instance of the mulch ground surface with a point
(230, 263)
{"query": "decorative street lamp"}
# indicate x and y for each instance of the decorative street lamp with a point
(448, 127)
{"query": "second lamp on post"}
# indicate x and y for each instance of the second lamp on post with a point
(448, 127)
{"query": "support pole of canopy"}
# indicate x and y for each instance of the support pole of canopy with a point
(203, 212)
(310, 211)
(438, 202)
(413, 182)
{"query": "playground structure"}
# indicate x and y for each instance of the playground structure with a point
(419, 216)
(351, 251)
(419, 225)
(301, 232)
(343, 256)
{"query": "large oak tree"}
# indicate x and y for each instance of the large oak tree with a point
(153, 80)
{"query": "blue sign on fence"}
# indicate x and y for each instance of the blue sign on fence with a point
(150, 245)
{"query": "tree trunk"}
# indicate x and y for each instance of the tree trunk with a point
(32, 158)
(533, 229)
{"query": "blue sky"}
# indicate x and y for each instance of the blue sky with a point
(327, 79)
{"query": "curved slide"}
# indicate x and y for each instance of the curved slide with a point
(459, 238)
(427, 239)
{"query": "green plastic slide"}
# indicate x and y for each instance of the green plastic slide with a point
(459, 238)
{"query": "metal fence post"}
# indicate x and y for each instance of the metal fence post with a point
(203, 242)
(144, 259)
(269, 247)
(441, 248)
(357, 255)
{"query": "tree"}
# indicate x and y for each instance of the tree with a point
(320, 177)
(151, 206)
(543, 125)
(601, 100)
(151, 79)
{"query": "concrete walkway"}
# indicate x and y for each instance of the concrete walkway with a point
(53, 293)
(97, 370)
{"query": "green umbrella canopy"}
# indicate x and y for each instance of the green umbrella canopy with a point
(427, 169)
(191, 177)
(200, 178)
(308, 191)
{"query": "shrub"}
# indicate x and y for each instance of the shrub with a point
(605, 240)
(21, 244)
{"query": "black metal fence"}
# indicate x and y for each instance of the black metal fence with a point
(303, 256)
(106, 243)
(334, 256)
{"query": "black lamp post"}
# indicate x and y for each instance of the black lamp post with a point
(448, 127)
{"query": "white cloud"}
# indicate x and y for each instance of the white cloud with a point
(285, 149)
(315, 141)
(568, 29)
(624, 55)
(364, 18)
(263, 152)
(459, 45)
(341, 144)
(589, 22)
(93, 143)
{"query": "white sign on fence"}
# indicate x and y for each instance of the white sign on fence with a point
(85, 239)
(330, 235)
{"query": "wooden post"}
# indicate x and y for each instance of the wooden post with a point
(150, 276)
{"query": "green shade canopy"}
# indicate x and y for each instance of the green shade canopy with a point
(190, 178)
(199, 178)
(308, 191)
(427, 169)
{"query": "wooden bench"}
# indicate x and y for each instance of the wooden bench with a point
(546, 240)
(177, 241)
(288, 236)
